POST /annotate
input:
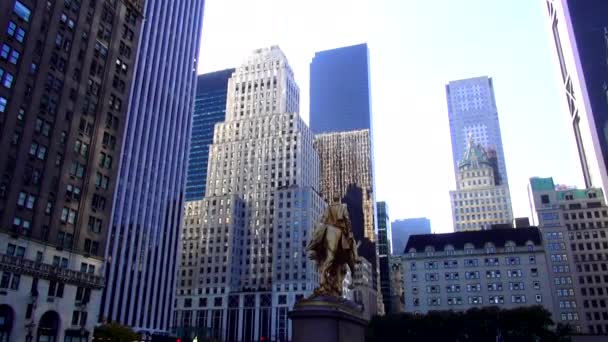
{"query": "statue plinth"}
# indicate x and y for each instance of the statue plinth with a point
(327, 319)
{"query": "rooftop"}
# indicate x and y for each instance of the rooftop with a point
(499, 237)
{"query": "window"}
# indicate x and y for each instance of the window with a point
(494, 287)
(7, 80)
(95, 224)
(514, 273)
(16, 31)
(471, 262)
(79, 318)
(68, 215)
(473, 287)
(471, 275)
(3, 104)
(14, 57)
(10, 281)
(454, 300)
(5, 51)
(22, 11)
(518, 299)
(476, 300)
(496, 299)
(55, 289)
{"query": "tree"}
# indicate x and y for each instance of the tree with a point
(524, 324)
(115, 332)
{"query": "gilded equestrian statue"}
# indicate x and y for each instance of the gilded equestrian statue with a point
(333, 247)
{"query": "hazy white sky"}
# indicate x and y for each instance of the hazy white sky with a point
(416, 47)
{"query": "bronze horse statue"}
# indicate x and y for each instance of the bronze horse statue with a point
(333, 247)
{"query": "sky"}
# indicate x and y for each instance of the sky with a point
(416, 47)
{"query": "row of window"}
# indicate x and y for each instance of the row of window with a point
(513, 286)
(514, 273)
(476, 300)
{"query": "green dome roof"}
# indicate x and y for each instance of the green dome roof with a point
(474, 156)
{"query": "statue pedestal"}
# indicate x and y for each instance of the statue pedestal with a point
(327, 319)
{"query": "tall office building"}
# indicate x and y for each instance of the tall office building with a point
(580, 32)
(401, 230)
(478, 203)
(148, 204)
(384, 253)
(340, 97)
(244, 262)
(64, 88)
(209, 109)
(346, 172)
(472, 112)
(574, 224)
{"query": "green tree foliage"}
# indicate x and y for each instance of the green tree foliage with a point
(525, 324)
(114, 332)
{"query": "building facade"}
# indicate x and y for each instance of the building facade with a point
(384, 253)
(397, 295)
(472, 113)
(402, 229)
(478, 202)
(574, 224)
(346, 173)
(65, 82)
(340, 97)
(244, 263)
(141, 267)
(458, 271)
(579, 30)
(209, 109)
(364, 292)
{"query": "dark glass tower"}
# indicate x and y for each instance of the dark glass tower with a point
(144, 244)
(580, 32)
(340, 98)
(209, 109)
(384, 252)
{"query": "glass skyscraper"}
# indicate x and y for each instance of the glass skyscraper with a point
(340, 118)
(402, 229)
(384, 252)
(144, 241)
(473, 114)
(209, 109)
(340, 98)
(580, 32)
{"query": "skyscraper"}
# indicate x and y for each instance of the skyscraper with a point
(209, 109)
(148, 204)
(65, 80)
(340, 116)
(478, 203)
(340, 90)
(580, 32)
(244, 261)
(472, 113)
(574, 224)
(384, 252)
(346, 173)
(402, 229)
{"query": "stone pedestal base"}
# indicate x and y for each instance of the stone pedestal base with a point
(327, 319)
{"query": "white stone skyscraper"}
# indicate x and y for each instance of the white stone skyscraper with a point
(479, 202)
(243, 262)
